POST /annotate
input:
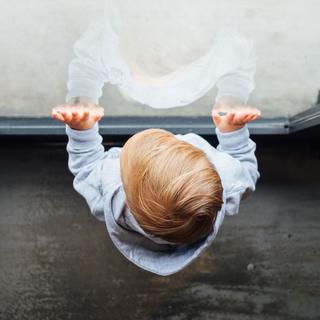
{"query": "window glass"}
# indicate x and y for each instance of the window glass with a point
(159, 58)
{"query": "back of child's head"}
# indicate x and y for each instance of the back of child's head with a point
(171, 187)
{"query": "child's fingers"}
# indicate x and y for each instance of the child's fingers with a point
(85, 116)
(57, 110)
(67, 116)
(58, 116)
(216, 120)
(239, 118)
(248, 117)
(255, 117)
(256, 114)
(97, 117)
(216, 117)
(252, 117)
(99, 113)
(256, 111)
(76, 115)
(230, 116)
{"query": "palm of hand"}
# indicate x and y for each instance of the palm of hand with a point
(78, 116)
(230, 115)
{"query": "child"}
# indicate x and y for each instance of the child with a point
(162, 196)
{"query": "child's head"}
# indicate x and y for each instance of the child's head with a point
(172, 188)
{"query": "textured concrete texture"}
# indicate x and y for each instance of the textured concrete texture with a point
(57, 261)
(36, 47)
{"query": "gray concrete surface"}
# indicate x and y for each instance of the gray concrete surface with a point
(37, 36)
(57, 262)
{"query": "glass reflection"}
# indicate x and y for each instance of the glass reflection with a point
(163, 57)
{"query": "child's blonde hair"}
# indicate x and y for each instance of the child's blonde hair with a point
(172, 188)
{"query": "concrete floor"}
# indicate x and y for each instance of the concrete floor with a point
(57, 262)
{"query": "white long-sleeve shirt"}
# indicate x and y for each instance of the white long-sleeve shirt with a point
(97, 178)
(230, 64)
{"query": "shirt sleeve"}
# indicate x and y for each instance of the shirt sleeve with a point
(87, 73)
(239, 146)
(85, 157)
(239, 82)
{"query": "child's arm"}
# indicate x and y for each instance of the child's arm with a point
(85, 151)
(87, 73)
(233, 136)
(239, 83)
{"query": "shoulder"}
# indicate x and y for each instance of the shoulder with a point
(114, 153)
(228, 168)
(194, 139)
(110, 170)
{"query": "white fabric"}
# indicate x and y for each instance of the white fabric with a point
(230, 64)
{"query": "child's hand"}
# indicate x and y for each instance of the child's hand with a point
(230, 115)
(79, 116)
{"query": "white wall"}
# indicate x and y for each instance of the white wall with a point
(36, 39)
